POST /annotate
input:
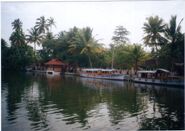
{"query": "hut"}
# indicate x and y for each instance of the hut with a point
(55, 66)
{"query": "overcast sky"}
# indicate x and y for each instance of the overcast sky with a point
(103, 17)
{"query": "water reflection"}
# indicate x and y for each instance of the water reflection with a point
(39, 102)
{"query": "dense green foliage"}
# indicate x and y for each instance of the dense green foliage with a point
(168, 41)
(79, 47)
(16, 57)
(19, 55)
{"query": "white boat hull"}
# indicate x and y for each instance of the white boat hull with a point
(159, 82)
(108, 77)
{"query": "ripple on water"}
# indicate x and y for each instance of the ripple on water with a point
(72, 106)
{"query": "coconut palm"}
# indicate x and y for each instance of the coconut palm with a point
(51, 23)
(173, 31)
(49, 36)
(41, 25)
(137, 55)
(175, 38)
(86, 43)
(17, 37)
(17, 25)
(34, 37)
(154, 29)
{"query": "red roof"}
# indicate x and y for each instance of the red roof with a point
(55, 62)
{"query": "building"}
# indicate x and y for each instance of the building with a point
(55, 66)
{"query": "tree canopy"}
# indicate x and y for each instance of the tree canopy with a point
(78, 46)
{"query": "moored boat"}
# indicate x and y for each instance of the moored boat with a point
(110, 74)
(159, 76)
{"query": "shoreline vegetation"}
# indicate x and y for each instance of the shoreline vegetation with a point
(80, 48)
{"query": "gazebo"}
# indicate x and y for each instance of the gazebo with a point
(55, 65)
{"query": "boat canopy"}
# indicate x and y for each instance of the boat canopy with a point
(162, 70)
(154, 71)
(108, 70)
(92, 69)
(147, 71)
(97, 69)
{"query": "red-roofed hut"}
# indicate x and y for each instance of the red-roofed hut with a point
(55, 66)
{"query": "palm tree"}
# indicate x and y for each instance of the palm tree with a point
(154, 28)
(173, 31)
(34, 37)
(49, 36)
(51, 23)
(174, 37)
(17, 25)
(86, 43)
(41, 25)
(3, 44)
(17, 37)
(137, 55)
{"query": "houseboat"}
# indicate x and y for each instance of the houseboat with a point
(109, 74)
(159, 76)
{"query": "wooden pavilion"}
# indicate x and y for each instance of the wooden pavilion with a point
(55, 65)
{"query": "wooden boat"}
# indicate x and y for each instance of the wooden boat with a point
(159, 76)
(109, 74)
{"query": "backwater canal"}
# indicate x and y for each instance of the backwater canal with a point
(32, 102)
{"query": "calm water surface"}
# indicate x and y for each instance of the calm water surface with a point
(38, 102)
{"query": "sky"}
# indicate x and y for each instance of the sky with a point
(102, 17)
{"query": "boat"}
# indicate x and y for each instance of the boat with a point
(71, 73)
(109, 74)
(159, 77)
(51, 72)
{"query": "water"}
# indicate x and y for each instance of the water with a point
(38, 102)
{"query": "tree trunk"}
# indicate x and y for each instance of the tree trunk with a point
(156, 62)
(136, 66)
(172, 65)
(90, 61)
(35, 51)
(112, 66)
(156, 48)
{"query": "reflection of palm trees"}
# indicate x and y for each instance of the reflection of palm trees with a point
(167, 110)
(36, 113)
(77, 101)
(16, 86)
(121, 98)
(125, 103)
(74, 99)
